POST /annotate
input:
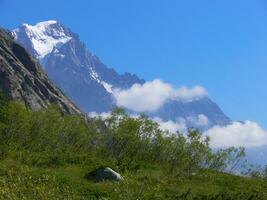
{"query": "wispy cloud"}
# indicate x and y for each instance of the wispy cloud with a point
(247, 134)
(153, 94)
(103, 115)
(200, 120)
(182, 124)
(171, 126)
(188, 94)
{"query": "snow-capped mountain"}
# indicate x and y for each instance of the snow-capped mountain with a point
(42, 38)
(73, 68)
(88, 82)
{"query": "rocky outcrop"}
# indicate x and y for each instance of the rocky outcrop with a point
(104, 174)
(22, 78)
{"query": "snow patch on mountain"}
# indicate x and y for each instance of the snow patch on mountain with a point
(95, 76)
(107, 86)
(45, 37)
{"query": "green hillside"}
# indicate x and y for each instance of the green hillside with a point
(46, 155)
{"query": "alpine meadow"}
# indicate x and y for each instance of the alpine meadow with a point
(168, 103)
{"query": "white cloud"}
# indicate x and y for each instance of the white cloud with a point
(182, 124)
(198, 121)
(147, 97)
(103, 115)
(153, 94)
(171, 126)
(188, 94)
(247, 134)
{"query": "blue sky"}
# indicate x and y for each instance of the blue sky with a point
(221, 45)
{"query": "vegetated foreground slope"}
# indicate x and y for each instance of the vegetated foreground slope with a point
(46, 155)
(22, 78)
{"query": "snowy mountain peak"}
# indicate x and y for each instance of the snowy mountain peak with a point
(43, 37)
(92, 85)
(42, 24)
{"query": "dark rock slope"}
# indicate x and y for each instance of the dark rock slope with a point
(22, 78)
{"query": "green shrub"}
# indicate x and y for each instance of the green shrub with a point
(45, 155)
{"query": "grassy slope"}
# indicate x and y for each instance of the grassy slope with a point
(38, 151)
(67, 182)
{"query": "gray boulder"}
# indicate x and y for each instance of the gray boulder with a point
(104, 174)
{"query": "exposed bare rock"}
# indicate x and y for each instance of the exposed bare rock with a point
(22, 78)
(104, 174)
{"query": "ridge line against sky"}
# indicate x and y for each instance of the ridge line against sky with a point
(219, 45)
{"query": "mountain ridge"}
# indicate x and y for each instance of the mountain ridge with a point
(89, 82)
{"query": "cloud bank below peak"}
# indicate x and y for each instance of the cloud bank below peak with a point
(246, 134)
(151, 95)
(182, 124)
(238, 134)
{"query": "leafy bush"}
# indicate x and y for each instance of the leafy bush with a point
(45, 154)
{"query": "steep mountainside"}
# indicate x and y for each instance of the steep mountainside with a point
(74, 69)
(23, 79)
(88, 82)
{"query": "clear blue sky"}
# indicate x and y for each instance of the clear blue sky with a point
(219, 44)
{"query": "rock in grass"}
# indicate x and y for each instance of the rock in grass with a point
(104, 174)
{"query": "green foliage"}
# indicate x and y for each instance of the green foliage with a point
(3, 99)
(45, 155)
(265, 172)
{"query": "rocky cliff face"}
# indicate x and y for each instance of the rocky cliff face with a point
(22, 78)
